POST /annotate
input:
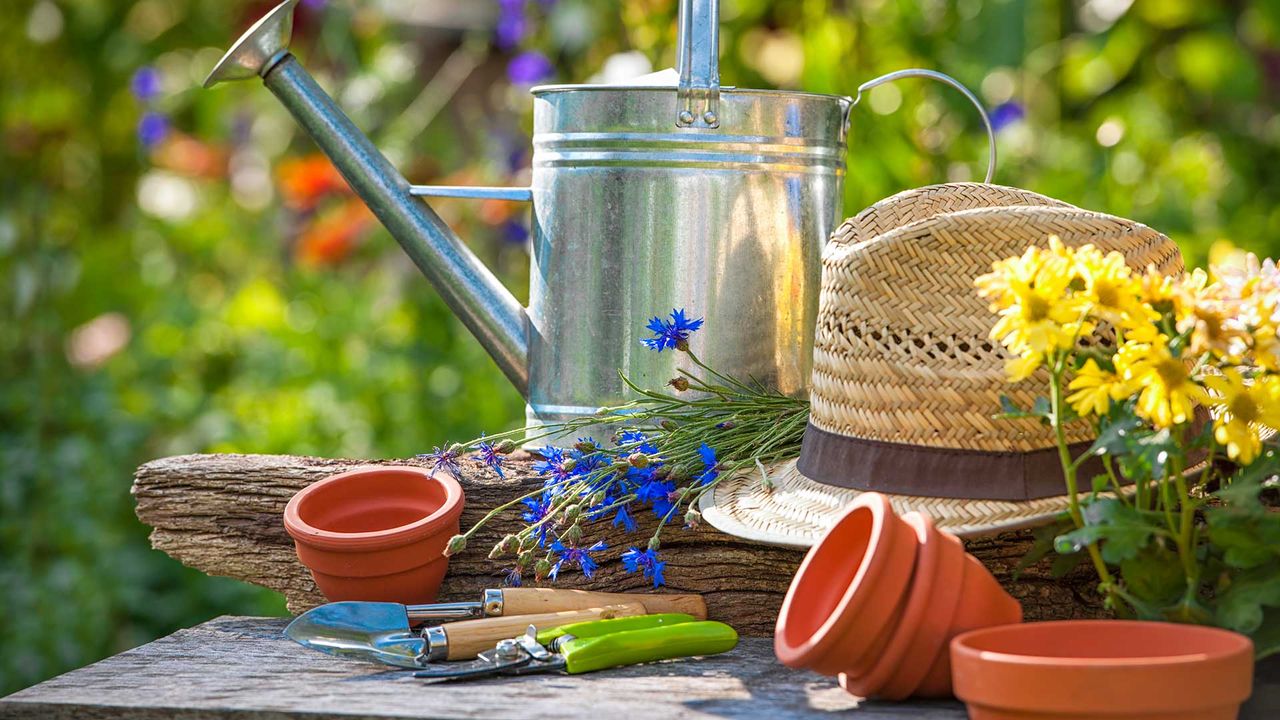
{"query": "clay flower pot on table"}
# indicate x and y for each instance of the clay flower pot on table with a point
(878, 598)
(376, 533)
(1087, 669)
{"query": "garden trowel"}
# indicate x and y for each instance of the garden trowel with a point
(380, 631)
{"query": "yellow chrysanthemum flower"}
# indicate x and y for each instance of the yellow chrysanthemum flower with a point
(1110, 288)
(1168, 396)
(1095, 389)
(1245, 410)
(1038, 312)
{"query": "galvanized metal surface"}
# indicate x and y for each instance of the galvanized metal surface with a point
(634, 216)
(716, 200)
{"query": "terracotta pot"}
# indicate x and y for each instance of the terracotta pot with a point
(919, 630)
(861, 608)
(376, 533)
(951, 592)
(1087, 669)
(981, 602)
(839, 607)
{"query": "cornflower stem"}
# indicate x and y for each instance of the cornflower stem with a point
(1069, 471)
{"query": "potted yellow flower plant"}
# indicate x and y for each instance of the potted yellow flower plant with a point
(1180, 378)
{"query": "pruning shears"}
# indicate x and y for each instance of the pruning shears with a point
(594, 645)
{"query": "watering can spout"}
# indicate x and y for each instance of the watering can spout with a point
(469, 288)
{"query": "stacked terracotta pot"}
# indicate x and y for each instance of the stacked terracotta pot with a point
(879, 598)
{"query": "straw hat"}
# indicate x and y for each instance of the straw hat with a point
(906, 380)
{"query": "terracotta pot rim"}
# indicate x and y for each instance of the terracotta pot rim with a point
(920, 596)
(960, 645)
(871, 566)
(304, 532)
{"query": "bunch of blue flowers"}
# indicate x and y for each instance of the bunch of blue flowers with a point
(670, 451)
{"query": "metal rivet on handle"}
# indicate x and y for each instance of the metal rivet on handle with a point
(686, 117)
(710, 118)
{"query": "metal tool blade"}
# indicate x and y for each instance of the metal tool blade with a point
(377, 631)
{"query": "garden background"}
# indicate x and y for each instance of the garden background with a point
(179, 272)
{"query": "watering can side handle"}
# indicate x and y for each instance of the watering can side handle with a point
(946, 80)
(470, 192)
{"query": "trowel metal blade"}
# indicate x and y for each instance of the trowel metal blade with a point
(377, 631)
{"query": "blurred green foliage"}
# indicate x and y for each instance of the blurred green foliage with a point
(162, 290)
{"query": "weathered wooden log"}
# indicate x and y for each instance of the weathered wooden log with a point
(221, 514)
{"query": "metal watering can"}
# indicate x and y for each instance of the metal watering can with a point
(645, 198)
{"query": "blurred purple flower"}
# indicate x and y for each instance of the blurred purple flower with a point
(529, 68)
(1006, 114)
(145, 83)
(514, 233)
(314, 4)
(513, 25)
(153, 128)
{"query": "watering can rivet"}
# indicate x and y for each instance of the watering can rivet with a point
(686, 117)
(709, 118)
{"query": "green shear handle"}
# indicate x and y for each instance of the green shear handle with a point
(628, 641)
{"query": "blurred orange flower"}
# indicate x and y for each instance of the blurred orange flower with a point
(304, 181)
(332, 235)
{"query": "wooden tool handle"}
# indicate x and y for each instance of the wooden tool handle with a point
(469, 638)
(529, 601)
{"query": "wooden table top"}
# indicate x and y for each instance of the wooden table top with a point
(234, 667)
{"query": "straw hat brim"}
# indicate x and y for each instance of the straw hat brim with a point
(797, 511)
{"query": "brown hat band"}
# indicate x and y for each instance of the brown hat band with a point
(875, 465)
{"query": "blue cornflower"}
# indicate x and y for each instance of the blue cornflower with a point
(674, 334)
(446, 459)
(491, 457)
(514, 577)
(645, 561)
(580, 556)
(529, 68)
(711, 469)
(658, 494)
(146, 83)
(153, 128)
(552, 464)
(624, 519)
(535, 510)
(636, 441)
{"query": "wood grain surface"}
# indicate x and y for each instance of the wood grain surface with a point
(221, 514)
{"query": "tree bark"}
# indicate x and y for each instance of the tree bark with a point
(221, 514)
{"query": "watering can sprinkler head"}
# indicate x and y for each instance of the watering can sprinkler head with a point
(258, 49)
(469, 288)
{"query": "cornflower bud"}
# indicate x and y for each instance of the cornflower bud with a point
(654, 543)
(573, 512)
(510, 543)
(681, 384)
(457, 544)
(584, 447)
(669, 425)
(692, 518)
(639, 460)
(569, 464)
(506, 447)
(573, 534)
(541, 568)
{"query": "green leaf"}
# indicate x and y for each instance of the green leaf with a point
(1010, 410)
(1266, 639)
(1119, 530)
(1115, 435)
(1154, 575)
(1240, 606)
(1042, 544)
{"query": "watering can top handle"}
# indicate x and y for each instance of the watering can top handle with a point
(698, 62)
(948, 80)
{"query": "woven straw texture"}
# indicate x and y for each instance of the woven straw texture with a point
(901, 349)
(798, 511)
(909, 206)
(902, 353)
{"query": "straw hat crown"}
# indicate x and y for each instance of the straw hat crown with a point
(902, 352)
